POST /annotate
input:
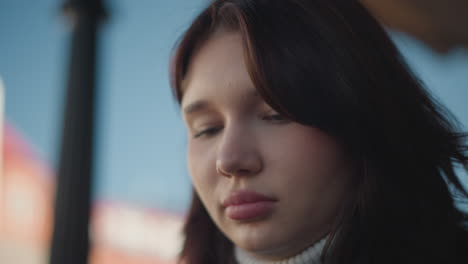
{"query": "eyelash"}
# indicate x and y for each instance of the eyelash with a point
(207, 132)
(211, 131)
(277, 118)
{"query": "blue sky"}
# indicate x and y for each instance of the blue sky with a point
(140, 139)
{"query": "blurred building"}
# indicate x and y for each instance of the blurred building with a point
(121, 233)
(25, 203)
(124, 234)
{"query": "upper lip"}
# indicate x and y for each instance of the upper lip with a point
(245, 196)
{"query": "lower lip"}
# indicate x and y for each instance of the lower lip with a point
(249, 211)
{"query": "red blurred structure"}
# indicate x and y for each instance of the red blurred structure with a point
(120, 233)
(26, 190)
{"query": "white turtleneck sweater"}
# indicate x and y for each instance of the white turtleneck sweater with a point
(309, 256)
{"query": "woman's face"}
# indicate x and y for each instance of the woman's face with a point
(272, 186)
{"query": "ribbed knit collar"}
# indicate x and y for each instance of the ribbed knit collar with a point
(309, 256)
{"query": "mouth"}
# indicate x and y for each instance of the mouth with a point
(243, 205)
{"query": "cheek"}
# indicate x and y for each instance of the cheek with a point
(201, 165)
(316, 176)
(194, 161)
(312, 159)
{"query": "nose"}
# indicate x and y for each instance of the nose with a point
(238, 154)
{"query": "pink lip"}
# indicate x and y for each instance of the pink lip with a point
(245, 205)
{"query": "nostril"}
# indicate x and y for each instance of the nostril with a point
(233, 171)
(238, 161)
(220, 171)
(242, 172)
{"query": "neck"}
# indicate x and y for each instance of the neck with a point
(310, 255)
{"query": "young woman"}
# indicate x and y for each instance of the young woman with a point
(311, 142)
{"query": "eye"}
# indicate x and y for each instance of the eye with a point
(275, 117)
(211, 131)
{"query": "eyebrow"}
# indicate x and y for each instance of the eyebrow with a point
(195, 107)
(200, 105)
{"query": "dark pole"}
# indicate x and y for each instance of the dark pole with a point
(70, 240)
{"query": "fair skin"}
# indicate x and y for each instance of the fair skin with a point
(238, 142)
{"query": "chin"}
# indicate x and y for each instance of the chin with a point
(258, 238)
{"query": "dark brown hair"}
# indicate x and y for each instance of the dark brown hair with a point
(329, 64)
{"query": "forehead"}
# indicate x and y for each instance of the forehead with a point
(218, 67)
